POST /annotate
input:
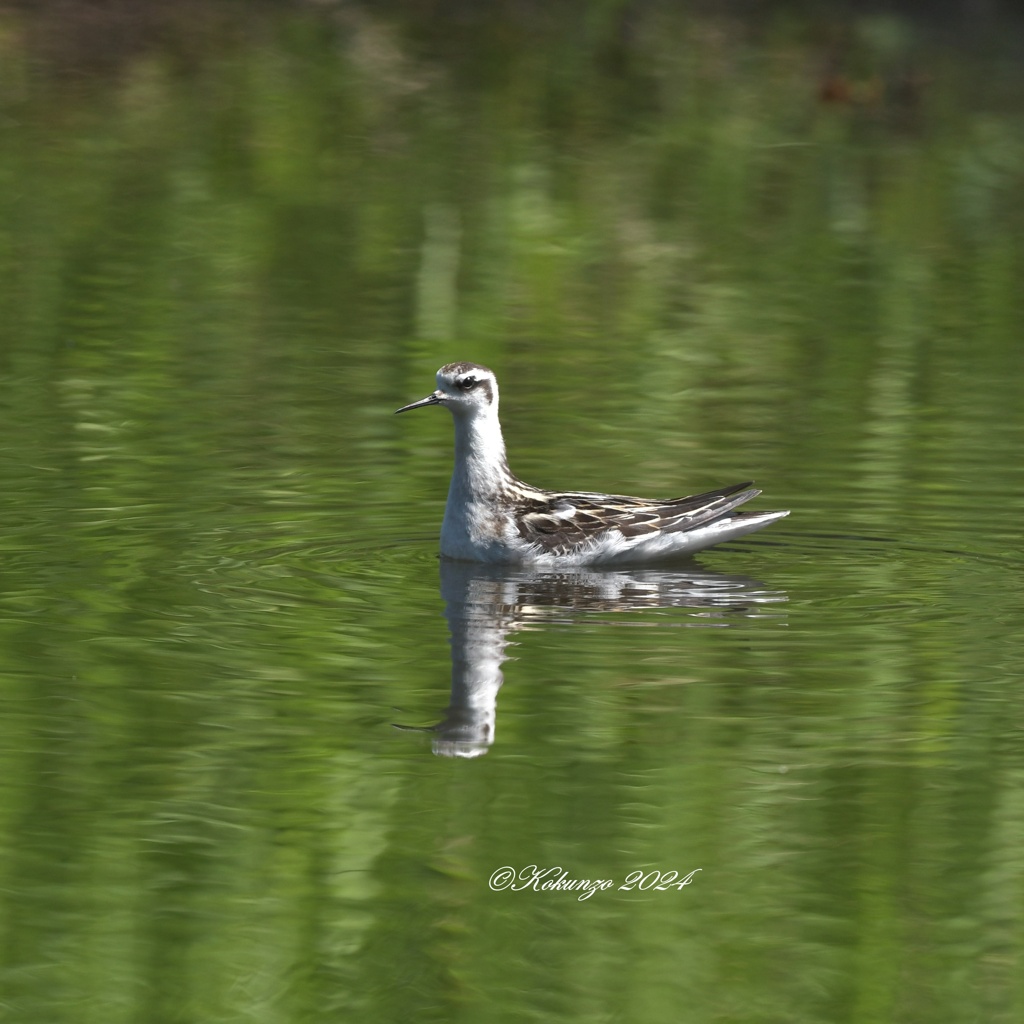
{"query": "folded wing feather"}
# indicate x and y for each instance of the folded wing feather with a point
(559, 522)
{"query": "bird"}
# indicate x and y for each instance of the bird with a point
(493, 517)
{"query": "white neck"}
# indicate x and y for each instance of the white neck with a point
(481, 468)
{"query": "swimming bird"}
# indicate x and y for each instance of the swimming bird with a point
(492, 516)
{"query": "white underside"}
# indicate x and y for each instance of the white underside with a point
(479, 526)
(468, 538)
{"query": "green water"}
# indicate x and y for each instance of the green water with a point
(233, 245)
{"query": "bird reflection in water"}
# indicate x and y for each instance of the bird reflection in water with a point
(484, 603)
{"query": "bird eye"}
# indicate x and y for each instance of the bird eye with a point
(468, 383)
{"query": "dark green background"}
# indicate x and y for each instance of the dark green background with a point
(697, 247)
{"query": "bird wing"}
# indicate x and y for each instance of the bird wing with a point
(559, 522)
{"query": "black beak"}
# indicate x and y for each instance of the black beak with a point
(429, 400)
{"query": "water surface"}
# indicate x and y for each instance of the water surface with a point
(262, 753)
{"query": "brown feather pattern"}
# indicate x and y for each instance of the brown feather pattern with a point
(559, 522)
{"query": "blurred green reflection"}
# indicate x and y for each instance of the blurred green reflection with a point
(697, 247)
